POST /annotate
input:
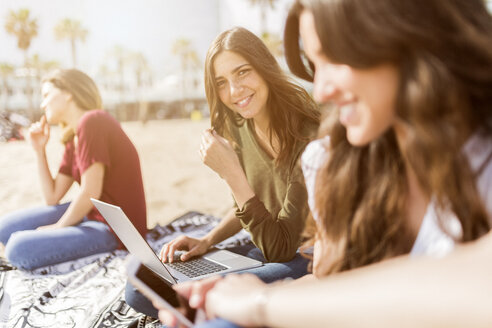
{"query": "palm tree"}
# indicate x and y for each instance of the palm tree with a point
(119, 55)
(189, 61)
(142, 73)
(72, 30)
(105, 77)
(140, 67)
(25, 28)
(264, 5)
(6, 70)
(40, 66)
(117, 60)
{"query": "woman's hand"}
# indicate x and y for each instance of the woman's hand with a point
(238, 298)
(193, 246)
(39, 134)
(193, 292)
(218, 154)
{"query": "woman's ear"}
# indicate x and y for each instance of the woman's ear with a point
(68, 96)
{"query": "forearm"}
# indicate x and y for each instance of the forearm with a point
(77, 210)
(264, 228)
(45, 178)
(227, 227)
(277, 237)
(451, 292)
(305, 279)
(239, 185)
(91, 187)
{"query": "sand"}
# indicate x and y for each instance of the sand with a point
(175, 179)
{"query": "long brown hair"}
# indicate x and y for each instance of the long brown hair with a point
(444, 53)
(289, 106)
(84, 91)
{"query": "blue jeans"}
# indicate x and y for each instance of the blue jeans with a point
(273, 271)
(29, 249)
(269, 272)
(217, 323)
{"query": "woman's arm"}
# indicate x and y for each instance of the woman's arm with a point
(451, 292)
(218, 154)
(91, 186)
(277, 236)
(53, 189)
(227, 227)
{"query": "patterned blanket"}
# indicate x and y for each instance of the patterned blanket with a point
(88, 292)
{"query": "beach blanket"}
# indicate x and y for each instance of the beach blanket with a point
(89, 292)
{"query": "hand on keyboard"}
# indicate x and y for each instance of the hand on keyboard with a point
(192, 246)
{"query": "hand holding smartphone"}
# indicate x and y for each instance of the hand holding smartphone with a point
(156, 288)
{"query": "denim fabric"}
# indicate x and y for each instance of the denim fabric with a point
(139, 302)
(29, 249)
(217, 323)
(269, 272)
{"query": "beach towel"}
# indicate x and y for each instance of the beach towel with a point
(89, 292)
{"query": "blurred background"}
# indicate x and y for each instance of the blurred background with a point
(147, 58)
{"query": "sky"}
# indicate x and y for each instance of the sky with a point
(147, 26)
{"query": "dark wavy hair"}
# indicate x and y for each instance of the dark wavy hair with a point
(289, 106)
(443, 50)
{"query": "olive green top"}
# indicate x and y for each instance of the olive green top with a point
(275, 217)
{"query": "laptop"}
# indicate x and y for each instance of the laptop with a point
(209, 264)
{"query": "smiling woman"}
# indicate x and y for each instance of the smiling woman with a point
(261, 123)
(407, 153)
(267, 120)
(241, 88)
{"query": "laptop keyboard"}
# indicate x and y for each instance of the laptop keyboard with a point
(196, 267)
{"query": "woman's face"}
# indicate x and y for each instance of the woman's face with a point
(239, 85)
(55, 102)
(365, 98)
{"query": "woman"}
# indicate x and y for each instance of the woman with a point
(408, 121)
(404, 163)
(98, 155)
(261, 123)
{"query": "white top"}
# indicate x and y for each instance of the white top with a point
(431, 239)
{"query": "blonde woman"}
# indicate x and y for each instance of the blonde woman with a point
(98, 155)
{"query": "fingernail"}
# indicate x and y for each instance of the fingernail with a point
(168, 320)
(194, 300)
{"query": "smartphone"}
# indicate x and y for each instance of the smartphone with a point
(159, 291)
